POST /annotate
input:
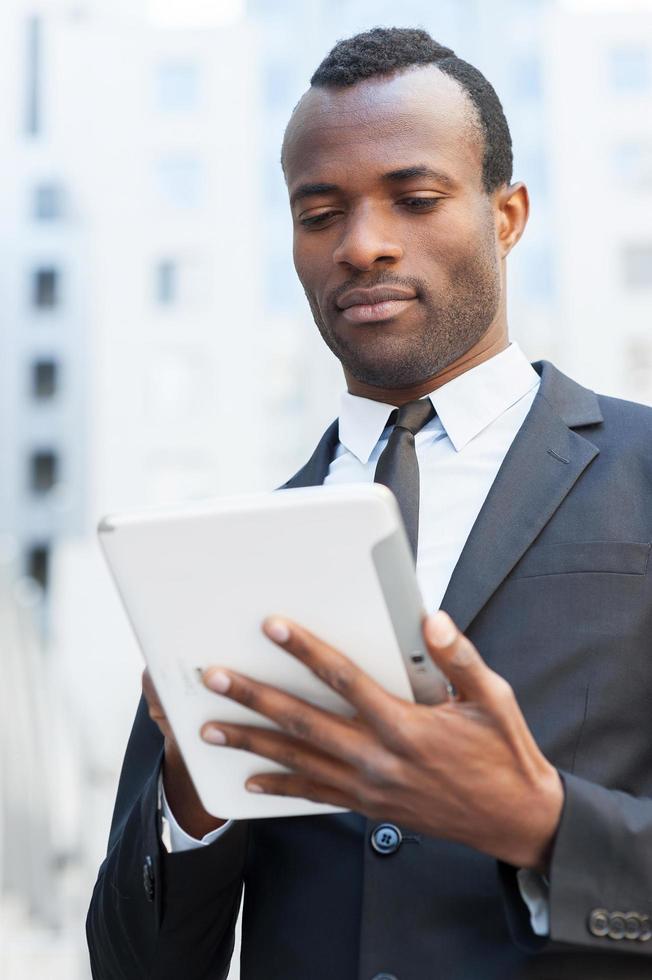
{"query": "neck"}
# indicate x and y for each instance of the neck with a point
(492, 343)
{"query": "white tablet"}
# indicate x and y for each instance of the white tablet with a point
(198, 580)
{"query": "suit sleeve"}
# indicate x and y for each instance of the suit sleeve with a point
(156, 914)
(600, 875)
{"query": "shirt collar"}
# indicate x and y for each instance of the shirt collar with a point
(465, 406)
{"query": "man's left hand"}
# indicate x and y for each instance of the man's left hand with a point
(467, 770)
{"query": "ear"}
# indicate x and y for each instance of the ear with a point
(512, 207)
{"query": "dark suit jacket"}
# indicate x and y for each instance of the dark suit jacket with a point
(554, 588)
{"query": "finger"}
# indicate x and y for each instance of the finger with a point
(278, 784)
(371, 701)
(338, 736)
(456, 656)
(286, 751)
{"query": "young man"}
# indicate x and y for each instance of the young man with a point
(516, 839)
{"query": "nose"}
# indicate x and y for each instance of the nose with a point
(366, 240)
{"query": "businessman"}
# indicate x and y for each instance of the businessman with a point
(508, 832)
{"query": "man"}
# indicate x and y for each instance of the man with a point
(504, 834)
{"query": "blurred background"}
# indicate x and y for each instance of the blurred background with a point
(146, 284)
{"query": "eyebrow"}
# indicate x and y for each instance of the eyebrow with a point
(420, 170)
(392, 177)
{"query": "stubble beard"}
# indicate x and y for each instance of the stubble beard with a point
(391, 359)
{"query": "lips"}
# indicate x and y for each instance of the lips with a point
(375, 304)
(373, 296)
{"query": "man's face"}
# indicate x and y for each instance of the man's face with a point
(394, 235)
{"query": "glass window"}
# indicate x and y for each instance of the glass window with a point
(38, 563)
(637, 265)
(167, 282)
(282, 288)
(45, 380)
(527, 77)
(279, 85)
(33, 77)
(629, 68)
(48, 202)
(632, 164)
(45, 288)
(538, 276)
(178, 386)
(43, 470)
(531, 166)
(178, 181)
(177, 87)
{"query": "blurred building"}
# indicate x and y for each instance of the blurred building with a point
(598, 66)
(44, 336)
(129, 361)
(155, 344)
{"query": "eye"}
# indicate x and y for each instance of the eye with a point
(421, 203)
(317, 220)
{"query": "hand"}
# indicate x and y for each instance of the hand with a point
(467, 770)
(179, 789)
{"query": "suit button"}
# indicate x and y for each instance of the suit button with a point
(384, 976)
(646, 929)
(386, 839)
(632, 926)
(148, 878)
(617, 927)
(599, 922)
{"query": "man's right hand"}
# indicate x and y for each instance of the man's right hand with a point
(179, 789)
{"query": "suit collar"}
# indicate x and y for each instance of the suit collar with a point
(315, 470)
(575, 405)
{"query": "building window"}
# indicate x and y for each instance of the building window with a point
(527, 75)
(48, 202)
(637, 266)
(167, 282)
(43, 470)
(537, 276)
(45, 380)
(630, 70)
(178, 181)
(177, 87)
(638, 368)
(282, 288)
(33, 77)
(632, 164)
(280, 85)
(38, 564)
(45, 288)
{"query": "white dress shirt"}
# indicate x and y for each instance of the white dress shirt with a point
(460, 452)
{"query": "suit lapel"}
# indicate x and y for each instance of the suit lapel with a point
(544, 462)
(315, 470)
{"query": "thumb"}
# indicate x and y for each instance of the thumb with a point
(459, 660)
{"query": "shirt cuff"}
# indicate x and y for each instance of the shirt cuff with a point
(174, 837)
(535, 892)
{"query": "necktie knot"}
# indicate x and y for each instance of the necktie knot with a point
(413, 416)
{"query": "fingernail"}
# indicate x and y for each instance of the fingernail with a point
(277, 630)
(254, 788)
(214, 735)
(440, 629)
(218, 681)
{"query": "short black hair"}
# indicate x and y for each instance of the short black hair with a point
(389, 50)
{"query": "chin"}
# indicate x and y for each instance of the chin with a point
(396, 373)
